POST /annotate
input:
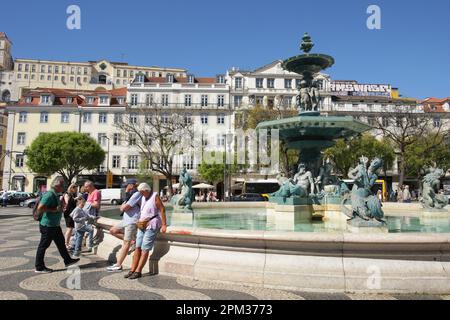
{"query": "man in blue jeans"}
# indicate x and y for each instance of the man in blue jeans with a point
(50, 227)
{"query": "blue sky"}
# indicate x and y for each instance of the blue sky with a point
(411, 51)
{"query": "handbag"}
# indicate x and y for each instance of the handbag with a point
(142, 225)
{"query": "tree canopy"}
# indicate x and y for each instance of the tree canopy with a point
(428, 151)
(64, 153)
(344, 155)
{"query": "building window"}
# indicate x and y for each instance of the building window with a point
(87, 116)
(65, 117)
(188, 162)
(187, 119)
(44, 117)
(133, 162)
(288, 83)
(385, 122)
(117, 118)
(19, 161)
(237, 101)
(69, 100)
(238, 83)
(85, 71)
(165, 100)
(259, 82)
(56, 69)
(149, 100)
(49, 69)
(221, 140)
(27, 68)
(437, 122)
(297, 83)
(270, 83)
(63, 70)
(19, 76)
(287, 102)
(104, 100)
(125, 73)
(140, 78)
(45, 99)
(116, 162)
(170, 78)
(21, 138)
(134, 99)
(221, 79)
(165, 118)
(133, 118)
(116, 139)
(190, 78)
(103, 117)
(148, 119)
(23, 117)
(204, 118)
(371, 121)
(204, 100)
(19, 68)
(220, 119)
(90, 100)
(220, 100)
(101, 139)
(187, 100)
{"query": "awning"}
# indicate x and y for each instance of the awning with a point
(203, 186)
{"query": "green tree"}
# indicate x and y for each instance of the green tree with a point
(345, 154)
(429, 150)
(64, 153)
(214, 172)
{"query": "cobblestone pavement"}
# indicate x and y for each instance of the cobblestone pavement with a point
(19, 236)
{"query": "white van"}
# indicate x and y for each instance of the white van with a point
(112, 196)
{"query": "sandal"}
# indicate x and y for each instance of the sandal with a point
(135, 275)
(129, 274)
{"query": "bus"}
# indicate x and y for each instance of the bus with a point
(262, 187)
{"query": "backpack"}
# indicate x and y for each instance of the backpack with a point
(36, 215)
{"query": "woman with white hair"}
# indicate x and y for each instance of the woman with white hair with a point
(151, 222)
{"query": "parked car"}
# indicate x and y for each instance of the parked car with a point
(112, 196)
(19, 198)
(30, 203)
(250, 197)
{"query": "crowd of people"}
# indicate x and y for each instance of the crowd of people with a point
(143, 217)
(206, 197)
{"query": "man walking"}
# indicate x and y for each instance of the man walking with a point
(50, 227)
(126, 230)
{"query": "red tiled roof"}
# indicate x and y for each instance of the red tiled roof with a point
(79, 96)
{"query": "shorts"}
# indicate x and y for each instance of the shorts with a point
(145, 240)
(129, 231)
(69, 221)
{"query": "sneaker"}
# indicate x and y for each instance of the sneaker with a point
(76, 255)
(114, 268)
(71, 262)
(129, 274)
(135, 275)
(44, 270)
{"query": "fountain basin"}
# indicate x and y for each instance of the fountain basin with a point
(337, 262)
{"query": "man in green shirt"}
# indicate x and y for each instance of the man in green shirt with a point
(50, 227)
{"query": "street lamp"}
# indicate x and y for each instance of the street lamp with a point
(107, 161)
(227, 180)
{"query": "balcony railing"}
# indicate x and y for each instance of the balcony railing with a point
(181, 106)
